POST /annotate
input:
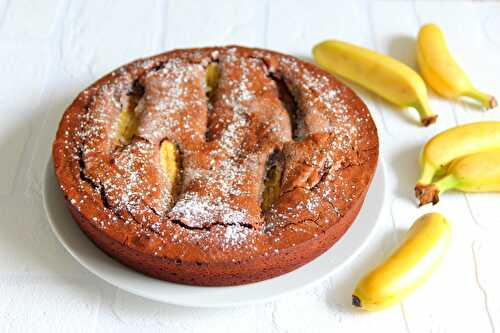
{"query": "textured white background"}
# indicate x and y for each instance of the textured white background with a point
(50, 50)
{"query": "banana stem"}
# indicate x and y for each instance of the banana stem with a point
(428, 172)
(446, 183)
(427, 117)
(486, 100)
(427, 193)
(430, 192)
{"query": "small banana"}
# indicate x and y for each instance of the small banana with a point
(440, 70)
(479, 172)
(455, 142)
(385, 76)
(409, 266)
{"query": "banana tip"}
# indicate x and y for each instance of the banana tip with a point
(493, 102)
(356, 301)
(427, 193)
(429, 120)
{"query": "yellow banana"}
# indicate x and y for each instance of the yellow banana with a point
(440, 70)
(385, 76)
(409, 266)
(453, 143)
(479, 172)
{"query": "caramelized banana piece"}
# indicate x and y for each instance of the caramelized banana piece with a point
(212, 77)
(127, 120)
(169, 161)
(272, 186)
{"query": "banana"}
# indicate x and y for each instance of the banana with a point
(409, 266)
(440, 70)
(385, 76)
(479, 172)
(453, 143)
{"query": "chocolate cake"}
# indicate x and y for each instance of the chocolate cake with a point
(215, 166)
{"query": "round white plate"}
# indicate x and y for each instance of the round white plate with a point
(96, 261)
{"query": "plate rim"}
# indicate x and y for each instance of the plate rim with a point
(380, 172)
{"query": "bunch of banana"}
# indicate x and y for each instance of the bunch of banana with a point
(385, 76)
(408, 267)
(440, 70)
(465, 158)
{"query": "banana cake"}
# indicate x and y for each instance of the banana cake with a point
(215, 166)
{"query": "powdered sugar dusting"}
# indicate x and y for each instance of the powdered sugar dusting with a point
(204, 210)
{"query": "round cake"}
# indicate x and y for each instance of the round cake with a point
(215, 166)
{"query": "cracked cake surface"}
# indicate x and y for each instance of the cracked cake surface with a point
(215, 166)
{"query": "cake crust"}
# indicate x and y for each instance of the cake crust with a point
(209, 225)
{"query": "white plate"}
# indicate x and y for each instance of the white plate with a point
(96, 261)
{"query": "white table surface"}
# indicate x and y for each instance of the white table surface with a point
(50, 50)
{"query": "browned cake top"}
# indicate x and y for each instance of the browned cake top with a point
(174, 166)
